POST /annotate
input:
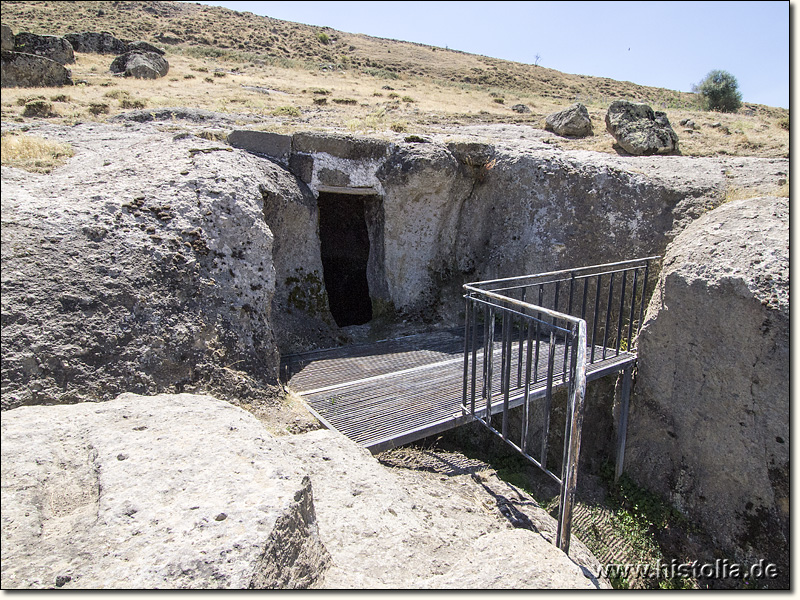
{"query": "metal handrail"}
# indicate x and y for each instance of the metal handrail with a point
(528, 330)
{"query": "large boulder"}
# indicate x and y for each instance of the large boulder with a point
(573, 121)
(96, 43)
(170, 491)
(144, 264)
(20, 69)
(709, 426)
(141, 65)
(49, 46)
(7, 39)
(639, 130)
(399, 529)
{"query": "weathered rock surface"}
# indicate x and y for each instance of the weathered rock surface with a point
(572, 121)
(639, 130)
(50, 46)
(144, 264)
(709, 427)
(195, 115)
(186, 491)
(96, 43)
(28, 70)
(394, 529)
(170, 491)
(142, 46)
(7, 39)
(442, 211)
(141, 65)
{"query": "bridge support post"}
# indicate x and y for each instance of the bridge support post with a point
(622, 420)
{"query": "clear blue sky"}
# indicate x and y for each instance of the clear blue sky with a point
(665, 44)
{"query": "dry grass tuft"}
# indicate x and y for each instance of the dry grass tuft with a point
(33, 153)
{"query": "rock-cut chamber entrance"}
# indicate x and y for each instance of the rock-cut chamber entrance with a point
(345, 248)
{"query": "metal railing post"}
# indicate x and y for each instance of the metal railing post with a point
(572, 443)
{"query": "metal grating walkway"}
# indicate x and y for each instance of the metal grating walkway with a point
(389, 393)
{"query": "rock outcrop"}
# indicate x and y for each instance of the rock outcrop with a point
(142, 46)
(20, 69)
(171, 491)
(186, 491)
(153, 270)
(639, 130)
(709, 426)
(50, 46)
(96, 43)
(7, 40)
(140, 64)
(205, 226)
(395, 529)
(573, 121)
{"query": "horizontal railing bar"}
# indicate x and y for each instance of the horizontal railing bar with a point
(521, 314)
(526, 305)
(551, 273)
(563, 279)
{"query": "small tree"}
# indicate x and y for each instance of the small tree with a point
(720, 91)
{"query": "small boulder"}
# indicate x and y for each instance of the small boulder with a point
(520, 108)
(96, 43)
(49, 46)
(141, 65)
(7, 39)
(20, 69)
(573, 121)
(639, 130)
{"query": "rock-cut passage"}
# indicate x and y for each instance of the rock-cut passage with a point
(344, 243)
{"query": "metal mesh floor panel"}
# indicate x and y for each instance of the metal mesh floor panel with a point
(389, 393)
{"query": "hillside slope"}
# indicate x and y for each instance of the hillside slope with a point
(426, 86)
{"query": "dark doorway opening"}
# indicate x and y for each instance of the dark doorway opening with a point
(344, 242)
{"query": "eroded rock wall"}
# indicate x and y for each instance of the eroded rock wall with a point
(463, 210)
(144, 264)
(709, 424)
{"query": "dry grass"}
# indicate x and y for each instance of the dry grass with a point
(736, 193)
(33, 153)
(240, 63)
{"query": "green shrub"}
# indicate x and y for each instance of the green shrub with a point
(719, 91)
(323, 38)
(784, 123)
